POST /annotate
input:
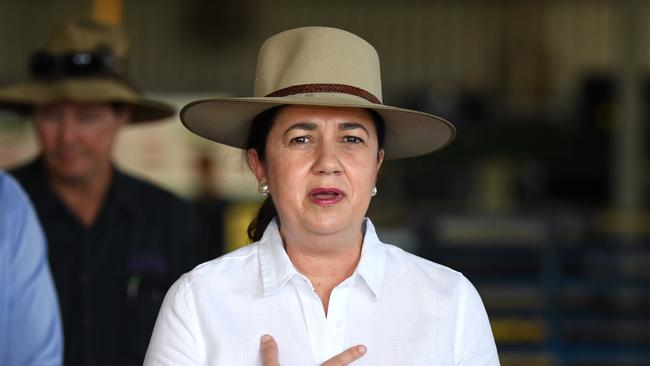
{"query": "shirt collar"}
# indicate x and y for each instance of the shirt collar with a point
(372, 264)
(275, 264)
(277, 269)
(50, 204)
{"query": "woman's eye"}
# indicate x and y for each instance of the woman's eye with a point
(352, 139)
(299, 140)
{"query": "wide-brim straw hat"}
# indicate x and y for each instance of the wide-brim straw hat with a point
(318, 66)
(84, 62)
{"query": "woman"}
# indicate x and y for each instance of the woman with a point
(317, 280)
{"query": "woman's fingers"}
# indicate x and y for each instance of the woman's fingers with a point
(346, 357)
(269, 351)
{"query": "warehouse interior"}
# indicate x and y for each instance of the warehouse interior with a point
(543, 199)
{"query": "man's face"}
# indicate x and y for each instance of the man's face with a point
(77, 139)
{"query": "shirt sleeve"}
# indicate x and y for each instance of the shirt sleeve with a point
(176, 335)
(475, 342)
(34, 335)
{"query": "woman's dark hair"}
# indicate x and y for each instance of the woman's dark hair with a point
(257, 134)
(256, 140)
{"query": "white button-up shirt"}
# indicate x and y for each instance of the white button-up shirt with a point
(406, 310)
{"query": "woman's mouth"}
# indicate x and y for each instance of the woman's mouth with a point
(326, 196)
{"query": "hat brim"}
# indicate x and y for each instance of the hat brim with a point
(24, 97)
(409, 133)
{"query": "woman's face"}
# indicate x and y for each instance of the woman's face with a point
(321, 165)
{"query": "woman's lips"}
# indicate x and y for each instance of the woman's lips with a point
(326, 196)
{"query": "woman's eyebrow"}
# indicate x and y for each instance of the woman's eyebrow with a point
(351, 126)
(309, 126)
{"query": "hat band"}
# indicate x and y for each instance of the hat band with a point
(52, 66)
(325, 88)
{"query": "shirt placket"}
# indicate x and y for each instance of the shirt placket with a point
(326, 333)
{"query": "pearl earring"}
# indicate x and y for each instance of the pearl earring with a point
(263, 188)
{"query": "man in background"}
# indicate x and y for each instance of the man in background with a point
(116, 242)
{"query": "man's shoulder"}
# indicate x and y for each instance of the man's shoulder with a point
(17, 217)
(6, 181)
(10, 189)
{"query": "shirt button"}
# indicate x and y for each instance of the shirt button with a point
(339, 324)
(86, 279)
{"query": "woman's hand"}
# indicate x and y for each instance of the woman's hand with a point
(269, 350)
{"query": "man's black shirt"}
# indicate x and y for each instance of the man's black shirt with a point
(111, 278)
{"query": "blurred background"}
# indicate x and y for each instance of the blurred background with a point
(543, 201)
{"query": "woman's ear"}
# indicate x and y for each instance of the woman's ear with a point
(380, 158)
(256, 165)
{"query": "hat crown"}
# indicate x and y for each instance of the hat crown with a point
(324, 67)
(84, 61)
(88, 36)
(317, 56)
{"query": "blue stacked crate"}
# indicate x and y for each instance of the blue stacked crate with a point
(553, 298)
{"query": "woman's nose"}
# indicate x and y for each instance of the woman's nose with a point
(327, 160)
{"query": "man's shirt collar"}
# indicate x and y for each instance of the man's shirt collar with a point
(35, 180)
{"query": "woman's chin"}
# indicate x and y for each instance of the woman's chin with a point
(330, 225)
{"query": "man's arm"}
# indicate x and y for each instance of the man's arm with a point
(34, 332)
